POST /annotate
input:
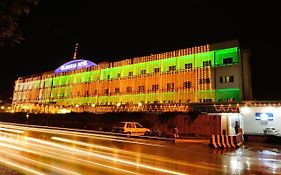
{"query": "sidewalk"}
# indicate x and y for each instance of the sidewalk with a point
(192, 139)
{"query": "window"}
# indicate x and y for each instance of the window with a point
(228, 60)
(231, 79)
(106, 91)
(116, 90)
(130, 74)
(204, 81)
(141, 89)
(95, 92)
(157, 69)
(170, 86)
(187, 85)
(138, 125)
(230, 100)
(129, 89)
(143, 72)
(155, 87)
(208, 100)
(207, 63)
(188, 66)
(172, 68)
(130, 125)
(118, 75)
(227, 79)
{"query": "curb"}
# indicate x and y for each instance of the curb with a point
(191, 140)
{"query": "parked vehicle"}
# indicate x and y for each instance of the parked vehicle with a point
(155, 132)
(270, 131)
(131, 128)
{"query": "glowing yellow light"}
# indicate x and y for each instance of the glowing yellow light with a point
(64, 111)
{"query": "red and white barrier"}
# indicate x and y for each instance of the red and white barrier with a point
(226, 141)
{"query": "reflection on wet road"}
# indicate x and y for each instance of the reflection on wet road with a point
(47, 150)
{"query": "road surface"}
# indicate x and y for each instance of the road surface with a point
(39, 150)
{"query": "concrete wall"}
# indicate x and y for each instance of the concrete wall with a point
(246, 74)
(233, 70)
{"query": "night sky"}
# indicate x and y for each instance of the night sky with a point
(112, 31)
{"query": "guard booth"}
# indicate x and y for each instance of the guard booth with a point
(229, 114)
(228, 122)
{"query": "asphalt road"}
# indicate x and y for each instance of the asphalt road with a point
(48, 150)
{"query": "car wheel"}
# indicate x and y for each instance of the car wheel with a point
(146, 133)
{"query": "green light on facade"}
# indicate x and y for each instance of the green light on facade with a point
(222, 95)
(226, 53)
(73, 88)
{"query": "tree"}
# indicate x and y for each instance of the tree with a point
(10, 13)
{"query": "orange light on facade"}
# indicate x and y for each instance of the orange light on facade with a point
(107, 83)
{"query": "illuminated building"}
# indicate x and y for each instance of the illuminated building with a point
(209, 73)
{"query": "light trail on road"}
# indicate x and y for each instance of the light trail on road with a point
(48, 149)
(38, 150)
(79, 134)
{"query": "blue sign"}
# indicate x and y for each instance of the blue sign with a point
(264, 116)
(74, 64)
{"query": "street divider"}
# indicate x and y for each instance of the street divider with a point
(226, 141)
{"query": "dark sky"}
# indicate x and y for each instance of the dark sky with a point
(111, 31)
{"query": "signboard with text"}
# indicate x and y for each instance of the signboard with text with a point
(264, 116)
(73, 65)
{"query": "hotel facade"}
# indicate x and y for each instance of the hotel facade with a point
(170, 81)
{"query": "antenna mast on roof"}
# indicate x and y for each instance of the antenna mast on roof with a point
(75, 51)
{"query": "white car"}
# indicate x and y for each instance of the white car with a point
(270, 131)
(131, 128)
